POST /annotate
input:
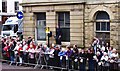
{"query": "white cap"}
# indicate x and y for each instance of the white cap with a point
(45, 45)
(105, 53)
(114, 49)
(20, 45)
(63, 49)
(53, 44)
(58, 46)
(98, 53)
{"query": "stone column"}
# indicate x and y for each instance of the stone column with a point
(89, 25)
(28, 25)
(51, 23)
(89, 33)
(76, 27)
(114, 35)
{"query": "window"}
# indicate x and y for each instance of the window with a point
(41, 25)
(15, 28)
(64, 23)
(103, 26)
(64, 19)
(4, 6)
(7, 27)
(16, 6)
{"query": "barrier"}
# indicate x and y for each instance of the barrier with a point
(44, 64)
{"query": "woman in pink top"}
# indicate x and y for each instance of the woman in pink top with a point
(31, 54)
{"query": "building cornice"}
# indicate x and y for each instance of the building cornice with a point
(51, 3)
(60, 2)
(8, 14)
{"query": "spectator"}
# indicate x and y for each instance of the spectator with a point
(58, 35)
(110, 51)
(62, 57)
(95, 44)
(104, 60)
(39, 54)
(97, 58)
(25, 53)
(75, 57)
(69, 57)
(91, 62)
(20, 54)
(107, 47)
(46, 53)
(114, 55)
(6, 48)
(56, 57)
(82, 59)
(11, 52)
(51, 55)
(31, 51)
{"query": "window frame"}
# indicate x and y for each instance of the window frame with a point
(101, 33)
(4, 7)
(36, 26)
(16, 6)
(43, 28)
(64, 25)
(99, 21)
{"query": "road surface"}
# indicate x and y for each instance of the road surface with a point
(6, 66)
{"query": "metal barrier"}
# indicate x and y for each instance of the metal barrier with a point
(43, 58)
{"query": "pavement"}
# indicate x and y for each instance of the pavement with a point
(7, 66)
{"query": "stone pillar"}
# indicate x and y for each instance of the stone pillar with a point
(0, 16)
(118, 26)
(28, 25)
(89, 25)
(76, 27)
(51, 22)
(119, 37)
(89, 33)
(114, 35)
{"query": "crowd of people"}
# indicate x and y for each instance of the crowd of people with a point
(28, 50)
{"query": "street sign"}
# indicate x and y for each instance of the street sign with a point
(47, 30)
(19, 15)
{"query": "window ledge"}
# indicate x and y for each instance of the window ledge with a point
(102, 31)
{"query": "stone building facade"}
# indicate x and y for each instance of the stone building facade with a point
(80, 20)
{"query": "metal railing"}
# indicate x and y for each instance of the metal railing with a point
(41, 61)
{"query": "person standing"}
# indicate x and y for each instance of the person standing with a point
(68, 54)
(11, 52)
(31, 51)
(91, 62)
(82, 59)
(75, 57)
(62, 57)
(95, 44)
(56, 57)
(58, 35)
(51, 55)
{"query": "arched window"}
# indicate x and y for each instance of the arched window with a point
(102, 26)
